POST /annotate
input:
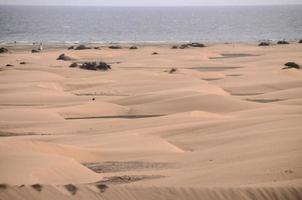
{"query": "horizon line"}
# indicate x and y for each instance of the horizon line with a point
(154, 6)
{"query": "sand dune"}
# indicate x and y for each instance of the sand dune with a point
(37, 98)
(225, 125)
(209, 103)
(292, 93)
(25, 114)
(21, 146)
(15, 76)
(32, 168)
(154, 193)
(93, 109)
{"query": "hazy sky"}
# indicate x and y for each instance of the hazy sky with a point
(149, 2)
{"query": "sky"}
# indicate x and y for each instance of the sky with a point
(149, 2)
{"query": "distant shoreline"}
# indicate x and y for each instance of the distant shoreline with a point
(140, 43)
(163, 6)
(19, 47)
(145, 43)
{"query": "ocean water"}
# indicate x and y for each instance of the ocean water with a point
(153, 24)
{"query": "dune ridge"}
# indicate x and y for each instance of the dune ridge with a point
(222, 128)
(154, 193)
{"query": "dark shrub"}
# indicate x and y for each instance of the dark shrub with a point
(282, 42)
(35, 51)
(172, 70)
(174, 47)
(3, 50)
(71, 47)
(9, 65)
(300, 41)
(102, 187)
(264, 44)
(71, 188)
(3, 186)
(184, 46)
(290, 65)
(95, 66)
(89, 66)
(103, 66)
(154, 53)
(22, 63)
(74, 65)
(82, 47)
(37, 187)
(115, 47)
(196, 44)
(133, 47)
(92, 66)
(64, 57)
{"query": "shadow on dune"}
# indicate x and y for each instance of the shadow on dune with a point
(233, 55)
(210, 69)
(114, 117)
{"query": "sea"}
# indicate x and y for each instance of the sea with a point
(74, 24)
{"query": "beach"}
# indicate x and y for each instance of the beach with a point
(216, 122)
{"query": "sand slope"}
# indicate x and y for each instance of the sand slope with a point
(225, 125)
(154, 193)
(32, 168)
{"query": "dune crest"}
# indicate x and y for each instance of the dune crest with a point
(218, 122)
